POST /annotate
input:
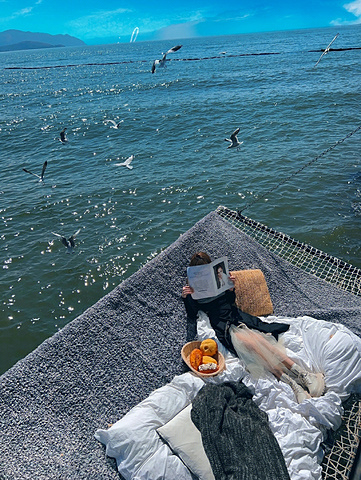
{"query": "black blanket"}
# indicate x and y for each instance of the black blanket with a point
(236, 435)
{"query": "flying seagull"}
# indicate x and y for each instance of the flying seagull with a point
(233, 139)
(63, 138)
(126, 163)
(327, 49)
(69, 243)
(161, 62)
(41, 176)
(115, 124)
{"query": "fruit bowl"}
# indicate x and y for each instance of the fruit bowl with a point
(189, 347)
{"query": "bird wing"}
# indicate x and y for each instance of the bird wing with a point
(28, 171)
(326, 49)
(318, 61)
(71, 241)
(334, 38)
(234, 135)
(174, 49)
(64, 241)
(126, 163)
(31, 173)
(111, 121)
(153, 66)
(43, 170)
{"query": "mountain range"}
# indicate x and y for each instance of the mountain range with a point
(18, 40)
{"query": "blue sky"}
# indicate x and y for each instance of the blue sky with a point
(109, 21)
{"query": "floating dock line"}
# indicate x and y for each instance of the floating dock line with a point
(142, 61)
(172, 60)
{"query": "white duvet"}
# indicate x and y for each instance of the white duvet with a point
(299, 428)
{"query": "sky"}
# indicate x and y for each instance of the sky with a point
(111, 21)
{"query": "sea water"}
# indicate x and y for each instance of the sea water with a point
(174, 122)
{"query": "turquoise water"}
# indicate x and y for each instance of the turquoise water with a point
(174, 123)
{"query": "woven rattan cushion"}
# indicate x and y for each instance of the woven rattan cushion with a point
(252, 295)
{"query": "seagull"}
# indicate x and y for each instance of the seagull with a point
(233, 139)
(161, 62)
(63, 138)
(70, 242)
(327, 49)
(126, 163)
(115, 124)
(41, 176)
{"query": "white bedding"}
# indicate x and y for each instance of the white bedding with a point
(299, 428)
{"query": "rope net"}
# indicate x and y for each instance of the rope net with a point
(341, 452)
(302, 255)
(339, 459)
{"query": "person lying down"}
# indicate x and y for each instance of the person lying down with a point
(149, 440)
(253, 341)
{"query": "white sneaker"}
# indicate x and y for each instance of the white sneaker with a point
(313, 382)
(299, 392)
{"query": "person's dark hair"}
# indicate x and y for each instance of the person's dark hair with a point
(200, 258)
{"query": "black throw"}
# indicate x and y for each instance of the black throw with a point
(236, 435)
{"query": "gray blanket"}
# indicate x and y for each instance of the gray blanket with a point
(117, 352)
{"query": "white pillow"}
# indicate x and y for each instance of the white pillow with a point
(185, 440)
(133, 441)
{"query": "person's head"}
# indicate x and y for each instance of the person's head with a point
(219, 270)
(200, 258)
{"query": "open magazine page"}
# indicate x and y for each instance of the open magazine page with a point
(209, 280)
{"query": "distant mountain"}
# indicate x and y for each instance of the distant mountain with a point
(19, 40)
(27, 46)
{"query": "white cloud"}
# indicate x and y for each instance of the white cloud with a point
(354, 8)
(21, 13)
(233, 18)
(102, 23)
(122, 21)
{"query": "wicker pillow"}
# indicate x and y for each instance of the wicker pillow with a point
(252, 295)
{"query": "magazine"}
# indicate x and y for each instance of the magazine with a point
(209, 280)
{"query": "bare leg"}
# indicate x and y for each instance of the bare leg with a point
(274, 360)
(257, 344)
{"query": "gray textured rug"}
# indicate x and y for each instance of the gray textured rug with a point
(117, 352)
